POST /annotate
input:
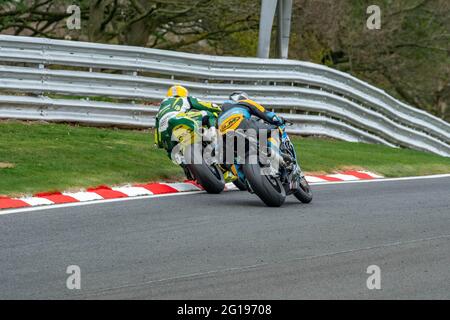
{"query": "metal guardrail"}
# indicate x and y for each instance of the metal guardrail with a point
(343, 106)
(143, 116)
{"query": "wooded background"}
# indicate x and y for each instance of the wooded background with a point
(409, 56)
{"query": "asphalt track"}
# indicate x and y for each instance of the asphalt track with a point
(230, 246)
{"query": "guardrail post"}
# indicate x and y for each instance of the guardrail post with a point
(284, 12)
(268, 8)
(284, 27)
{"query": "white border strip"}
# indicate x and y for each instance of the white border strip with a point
(133, 191)
(343, 177)
(37, 201)
(83, 196)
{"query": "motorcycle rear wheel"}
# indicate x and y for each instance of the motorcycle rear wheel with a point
(209, 176)
(267, 188)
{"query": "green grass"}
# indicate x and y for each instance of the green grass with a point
(322, 155)
(49, 157)
(37, 157)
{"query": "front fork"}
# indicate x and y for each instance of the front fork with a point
(295, 177)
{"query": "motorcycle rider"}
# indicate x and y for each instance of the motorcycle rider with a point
(242, 100)
(179, 108)
(288, 177)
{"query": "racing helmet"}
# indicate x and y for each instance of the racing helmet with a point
(177, 91)
(238, 96)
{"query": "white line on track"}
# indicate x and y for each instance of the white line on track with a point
(436, 176)
(76, 204)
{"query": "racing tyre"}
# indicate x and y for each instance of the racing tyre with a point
(267, 188)
(303, 193)
(209, 176)
(240, 184)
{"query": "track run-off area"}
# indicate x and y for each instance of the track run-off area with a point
(230, 246)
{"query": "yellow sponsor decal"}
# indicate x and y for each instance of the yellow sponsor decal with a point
(184, 134)
(231, 123)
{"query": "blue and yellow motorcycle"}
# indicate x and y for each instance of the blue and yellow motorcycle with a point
(254, 156)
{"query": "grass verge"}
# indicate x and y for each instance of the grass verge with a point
(38, 157)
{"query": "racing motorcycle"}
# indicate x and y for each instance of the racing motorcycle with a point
(270, 183)
(189, 153)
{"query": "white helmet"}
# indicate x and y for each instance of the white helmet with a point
(238, 96)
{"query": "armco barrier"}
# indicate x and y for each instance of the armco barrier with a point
(38, 74)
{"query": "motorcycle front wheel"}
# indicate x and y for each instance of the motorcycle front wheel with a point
(304, 193)
(240, 184)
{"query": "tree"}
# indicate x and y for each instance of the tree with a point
(409, 56)
(166, 24)
(34, 18)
